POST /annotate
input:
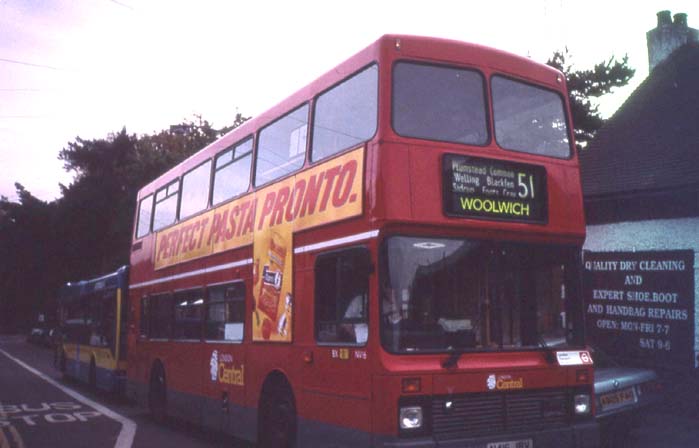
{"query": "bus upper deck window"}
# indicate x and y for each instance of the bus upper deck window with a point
(439, 103)
(145, 214)
(166, 205)
(345, 116)
(282, 146)
(195, 190)
(232, 171)
(529, 119)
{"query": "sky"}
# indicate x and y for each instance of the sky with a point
(88, 68)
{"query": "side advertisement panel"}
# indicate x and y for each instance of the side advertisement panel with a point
(267, 219)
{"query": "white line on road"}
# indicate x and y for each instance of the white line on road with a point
(128, 427)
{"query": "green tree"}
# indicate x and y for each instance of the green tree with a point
(585, 86)
(28, 250)
(92, 210)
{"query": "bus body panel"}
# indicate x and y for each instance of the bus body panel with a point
(406, 197)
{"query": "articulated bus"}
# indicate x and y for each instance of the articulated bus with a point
(93, 316)
(389, 257)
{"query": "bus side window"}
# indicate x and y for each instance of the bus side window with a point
(188, 314)
(165, 212)
(282, 146)
(145, 214)
(161, 316)
(102, 316)
(345, 116)
(341, 297)
(232, 171)
(225, 317)
(195, 190)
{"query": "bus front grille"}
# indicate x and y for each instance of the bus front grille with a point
(482, 414)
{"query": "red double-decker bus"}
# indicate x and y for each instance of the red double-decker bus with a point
(389, 257)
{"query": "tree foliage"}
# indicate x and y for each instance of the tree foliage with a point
(87, 231)
(28, 252)
(586, 86)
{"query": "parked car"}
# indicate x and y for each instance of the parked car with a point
(36, 334)
(55, 337)
(622, 394)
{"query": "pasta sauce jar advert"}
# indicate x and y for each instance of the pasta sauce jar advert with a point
(273, 305)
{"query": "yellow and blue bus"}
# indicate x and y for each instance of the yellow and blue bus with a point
(93, 321)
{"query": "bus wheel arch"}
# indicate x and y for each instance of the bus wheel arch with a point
(277, 417)
(157, 392)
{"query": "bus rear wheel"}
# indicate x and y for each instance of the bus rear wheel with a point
(157, 394)
(277, 419)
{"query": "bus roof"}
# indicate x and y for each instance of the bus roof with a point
(74, 290)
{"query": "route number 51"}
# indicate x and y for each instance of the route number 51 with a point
(525, 185)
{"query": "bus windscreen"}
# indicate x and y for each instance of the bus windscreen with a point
(442, 295)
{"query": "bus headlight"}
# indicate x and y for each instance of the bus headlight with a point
(581, 404)
(410, 417)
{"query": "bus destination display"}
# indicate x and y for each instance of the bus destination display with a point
(492, 189)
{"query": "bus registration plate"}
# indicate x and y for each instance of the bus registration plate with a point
(525, 443)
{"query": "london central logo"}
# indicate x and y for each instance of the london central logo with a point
(224, 371)
(504, 382)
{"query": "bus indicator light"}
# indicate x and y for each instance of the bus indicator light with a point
(582, 376)
(411, 385)
(308, 357)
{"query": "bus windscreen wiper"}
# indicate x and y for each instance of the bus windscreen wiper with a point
(453, 359)
(548, 350)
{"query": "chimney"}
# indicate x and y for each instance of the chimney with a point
(664, 18)
(668, 36)
(680, 20)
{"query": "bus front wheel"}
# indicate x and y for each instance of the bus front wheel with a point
(157, 394)
(277, 416)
